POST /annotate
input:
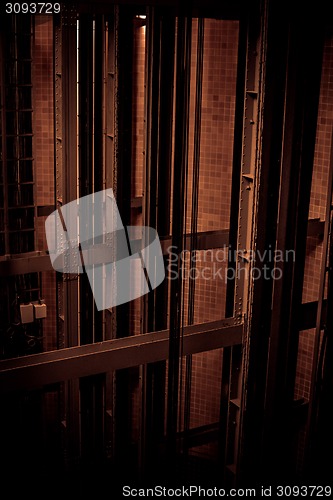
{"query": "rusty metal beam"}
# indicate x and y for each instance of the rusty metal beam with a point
(288, 142)
(55, 366)
(40, 261)
(34, 262)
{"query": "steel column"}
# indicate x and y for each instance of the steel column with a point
(66, 191)
(288, 139)
(183, 69)
(122, 187)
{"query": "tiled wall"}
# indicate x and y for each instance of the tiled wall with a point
(138, 96)
(43, 114)
(216, 151)
(314, 244)
(44, 157)
(138, 146)
(324, 134)
(218, 109)
(317, 210)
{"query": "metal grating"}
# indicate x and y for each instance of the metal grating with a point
(17, 209)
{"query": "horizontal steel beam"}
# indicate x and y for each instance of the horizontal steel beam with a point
(204, 241)
(33, 262)
(38, 370)
(40, 261)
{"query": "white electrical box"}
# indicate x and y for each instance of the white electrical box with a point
(27, 313)
(40, 311)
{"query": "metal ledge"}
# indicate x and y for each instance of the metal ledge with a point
(40, 261)
(38, 370)
(33, 262)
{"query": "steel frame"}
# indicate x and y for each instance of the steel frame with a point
(289, 119)
(39, 370)
(265, 322)
(40, 261)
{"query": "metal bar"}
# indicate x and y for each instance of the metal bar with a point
(298, 146)
(99, 164)
(231, 235)
(323, 274)
(282, 214)
(323, 437)
(3, 139)
(110, 90)
(109, 179)
(194, 218)
(149, 392)
(183, 68)
(66, 186)
(273, 48)
(55, 366)
(122, 187)
(40, 261)
(156, 373)
(237, 161)
(241, 238)
(86, 160)
(69, 153)
(167, 69)
(99, 75)
(90, 180)
(324, 281)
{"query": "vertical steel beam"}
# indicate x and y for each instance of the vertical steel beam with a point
(183, 69)
(69, 154)
(299, 127)
(86, 167)
(91, 168)
(194, 218)
(99, 67)
(268, 147)
(288, 139)
(319, 433)
(160, 33)
(123, 166)
(243, 83)
(3, 140)
(109, 181)
(149, 215)
(66, 191)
